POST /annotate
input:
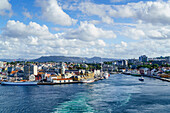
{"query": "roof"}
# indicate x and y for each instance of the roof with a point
(53, 75)
(41, 73)
(13, 72)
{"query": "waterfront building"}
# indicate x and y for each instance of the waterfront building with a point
(89, 74)
(153, 72)
(97, 72)
(144, 71)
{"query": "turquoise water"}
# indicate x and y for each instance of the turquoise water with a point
(118, 94)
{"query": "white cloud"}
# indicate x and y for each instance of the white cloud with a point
(101, 43)
(88, 32)
(32, 40)
(19, 40)
(98, 10)
(143, 31)
(133, 33)
(155, 12)
(94, 21)
(148, 25)
(151, 48)
(150, 11)
(33, 44)
(27, 15)
(56, 29)
(124, 44)
(5, 8)
(107, 19)
(18, 29)
(52, 12)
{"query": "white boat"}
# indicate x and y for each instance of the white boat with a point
(18, 83)
(106, 75)
(141, 79)
(113, 72)
(87, 80)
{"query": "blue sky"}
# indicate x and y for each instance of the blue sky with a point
(85, 28)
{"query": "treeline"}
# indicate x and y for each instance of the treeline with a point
(153, 66)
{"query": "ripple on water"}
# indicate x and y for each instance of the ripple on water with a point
(78, 103)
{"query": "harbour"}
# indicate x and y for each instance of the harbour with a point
(84, 56)
(120, 93)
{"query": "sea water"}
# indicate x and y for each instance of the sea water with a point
(118, 94)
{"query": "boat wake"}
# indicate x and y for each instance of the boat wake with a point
(77, 104)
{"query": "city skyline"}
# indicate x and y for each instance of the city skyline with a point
(107, 29)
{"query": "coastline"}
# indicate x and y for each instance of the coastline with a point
(156, 77)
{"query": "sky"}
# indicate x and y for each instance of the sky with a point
(84, 28)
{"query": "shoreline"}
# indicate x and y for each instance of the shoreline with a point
(156, 77)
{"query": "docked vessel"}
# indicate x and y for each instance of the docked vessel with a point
(20, 83)
(87, 80)
(113, 72)
(106, 75)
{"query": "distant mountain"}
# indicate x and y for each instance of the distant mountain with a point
(71, 59)
(58, 59)
(12, 60)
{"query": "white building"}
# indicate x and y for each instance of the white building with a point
(2, 64)
(144, 71)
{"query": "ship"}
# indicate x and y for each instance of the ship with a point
(20, 83)
(87, 80)
(106, 75)
(141, 79)
(112, 72)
